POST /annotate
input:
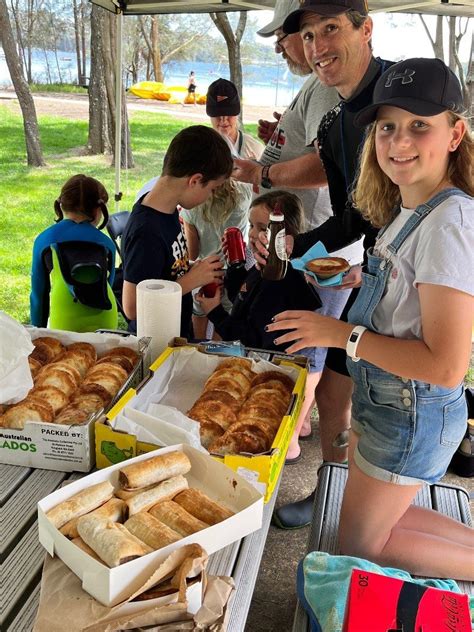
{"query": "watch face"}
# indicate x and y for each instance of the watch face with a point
(353, 337)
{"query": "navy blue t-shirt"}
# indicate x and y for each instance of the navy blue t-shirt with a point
(154, 247)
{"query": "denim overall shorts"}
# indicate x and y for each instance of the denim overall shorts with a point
(408, 429)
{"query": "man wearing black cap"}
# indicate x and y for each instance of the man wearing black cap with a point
(336, 36)
(223, 107)
(290, 158)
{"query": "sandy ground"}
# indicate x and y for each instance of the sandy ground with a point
(77, 106)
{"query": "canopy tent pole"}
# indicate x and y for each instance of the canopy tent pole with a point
(118, 110)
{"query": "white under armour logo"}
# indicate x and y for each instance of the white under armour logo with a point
(406, 76)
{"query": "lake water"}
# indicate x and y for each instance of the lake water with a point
(271, 85)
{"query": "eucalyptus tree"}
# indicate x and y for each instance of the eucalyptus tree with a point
(30, 122)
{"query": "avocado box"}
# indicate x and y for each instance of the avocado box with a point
(62, 447)
(111, 586)
(128, 430)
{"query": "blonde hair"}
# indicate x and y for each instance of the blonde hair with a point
(218, 207)
(378, 198)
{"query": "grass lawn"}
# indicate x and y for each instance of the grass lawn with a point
(27, 194)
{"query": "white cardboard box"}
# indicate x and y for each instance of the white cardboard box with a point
(110, 586)
(56, 446)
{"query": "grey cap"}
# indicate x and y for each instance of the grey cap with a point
(283, 8)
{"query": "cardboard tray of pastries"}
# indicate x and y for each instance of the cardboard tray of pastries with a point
(75, 377)
(115, 526)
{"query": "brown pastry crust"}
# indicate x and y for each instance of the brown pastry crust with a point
(35, 366)
(238, 443)
(27, 410)
(326, 267)
(199, 505)
(53, 344)
(72, 415)
(109, 368)
(107, 380)
(221, 396)
(81, 503)
(265, 376)
(88, 402)
(125, 351)
(177, 518)
(69, 368)
(231, 374)
(79, 358)
(57, 377)
(151, 530)
(209, 431)
(51, 395)
(84, 346)
(153, 470)
(120, 360)
(214, 410)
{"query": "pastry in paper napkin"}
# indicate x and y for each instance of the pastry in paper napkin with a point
(315, 252)
(62, 598)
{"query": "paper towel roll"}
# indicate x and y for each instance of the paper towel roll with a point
(158, 313)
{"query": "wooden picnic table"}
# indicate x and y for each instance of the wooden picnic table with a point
(22, 555)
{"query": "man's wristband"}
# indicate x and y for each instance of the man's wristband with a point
(265, 182)
(353, 342)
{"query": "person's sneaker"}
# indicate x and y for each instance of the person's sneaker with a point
(295, 515)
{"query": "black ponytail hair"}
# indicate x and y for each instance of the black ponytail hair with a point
(82, 194)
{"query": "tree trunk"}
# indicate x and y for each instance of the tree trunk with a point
(155, 49)
(100, 138)
(102, 88)
(437, 42)
(77, 39)
(452, 43)
(83, 42)
(233, 46)
(27, 105)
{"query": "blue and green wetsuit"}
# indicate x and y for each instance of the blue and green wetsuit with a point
(51, 302)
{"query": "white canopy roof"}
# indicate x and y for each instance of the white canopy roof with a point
(134, 7)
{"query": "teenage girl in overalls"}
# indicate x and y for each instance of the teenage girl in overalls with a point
(408, 339)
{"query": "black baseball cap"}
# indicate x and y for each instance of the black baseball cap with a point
(421, 86)
(322, 7)
(222, 99)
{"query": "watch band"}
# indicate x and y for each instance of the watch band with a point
(353, 342)
(265, 182)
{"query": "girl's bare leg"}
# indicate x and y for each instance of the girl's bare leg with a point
(378, 523)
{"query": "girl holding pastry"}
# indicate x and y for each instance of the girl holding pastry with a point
(408, 339)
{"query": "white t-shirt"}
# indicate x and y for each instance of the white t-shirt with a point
(294, 136)
(440, 251)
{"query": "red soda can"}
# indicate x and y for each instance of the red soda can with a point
(210, 289)
(235, 245)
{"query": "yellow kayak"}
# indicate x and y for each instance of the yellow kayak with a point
(147, 89)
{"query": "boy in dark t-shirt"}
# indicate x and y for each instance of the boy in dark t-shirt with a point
(198, 160)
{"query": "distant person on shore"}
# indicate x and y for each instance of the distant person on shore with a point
(192, 87)
(61, 296)
(223, 107)
(197, 161)
(291, 162)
